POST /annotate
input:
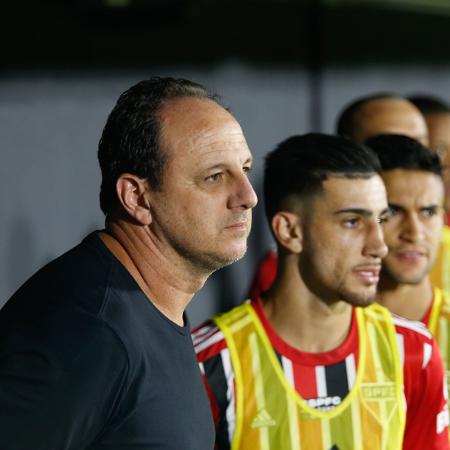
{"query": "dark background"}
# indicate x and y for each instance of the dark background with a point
(114, 33)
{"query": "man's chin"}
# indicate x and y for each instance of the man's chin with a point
(360, 299)
(406, 278)
(218, 261)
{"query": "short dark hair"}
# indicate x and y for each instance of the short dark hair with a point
(299, 165)
(346, 123)
(396, 151)
(428, 104)
(130, 141)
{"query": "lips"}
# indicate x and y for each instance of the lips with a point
(237, 225)
(410, 256)
(369, 275)
(238, 222)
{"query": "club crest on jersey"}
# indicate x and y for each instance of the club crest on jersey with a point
(380, 400)
(378, 391)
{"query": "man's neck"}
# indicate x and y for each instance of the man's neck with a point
(407, 300)
(301, 318)
(163, 279)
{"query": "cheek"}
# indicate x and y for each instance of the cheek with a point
(391, 232)
(330, 259)
(435, 238)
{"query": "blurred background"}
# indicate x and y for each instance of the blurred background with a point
(282, 66)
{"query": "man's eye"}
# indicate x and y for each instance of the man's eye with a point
(214, 177)
(247, 169)
(383, 219)
(351, 223)
(429, 212)
(393, 211)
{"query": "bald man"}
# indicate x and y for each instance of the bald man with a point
(437, 116)
(382, 113)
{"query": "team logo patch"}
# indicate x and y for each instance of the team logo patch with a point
(380, 400)
(378, 391)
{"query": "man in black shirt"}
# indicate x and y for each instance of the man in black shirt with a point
(95, 349)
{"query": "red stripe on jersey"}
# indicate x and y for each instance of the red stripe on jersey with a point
(265, 274)
(305, 380)
(212, 401)
(426, 318)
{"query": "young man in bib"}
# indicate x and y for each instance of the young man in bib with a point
(437, 116)
(415, 189)
(313, 363)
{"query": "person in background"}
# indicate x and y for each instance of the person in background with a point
(381, 113)
(95, 348)
(437, 116)
(313, 363)
(412, 175)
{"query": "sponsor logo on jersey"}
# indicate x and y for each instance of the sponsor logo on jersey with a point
(263, 419)
(324, 403)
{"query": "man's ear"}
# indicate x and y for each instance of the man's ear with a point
(286, 227)
(131, 192)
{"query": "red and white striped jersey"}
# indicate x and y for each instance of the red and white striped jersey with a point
(324, 379)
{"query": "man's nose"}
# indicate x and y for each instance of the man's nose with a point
(244, 196)
(412, 228)
(376, 247)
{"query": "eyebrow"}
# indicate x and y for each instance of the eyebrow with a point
(401, 208)
(360, 212)
(222, 165)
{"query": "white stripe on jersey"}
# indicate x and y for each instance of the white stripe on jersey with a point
(321, 381)
(427, 351)
(202, 333)
(401, 348)
(218, 336)
(401, 354)
(418, 327)
(288, 370)
(351, 370)
(229, 376)
(202, 368)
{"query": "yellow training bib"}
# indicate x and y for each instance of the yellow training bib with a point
(439, 325)
(271, 415)
(440, 274)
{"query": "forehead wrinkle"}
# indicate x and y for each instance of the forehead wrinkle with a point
(211, 137)
(203, 136)
(206, 144)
